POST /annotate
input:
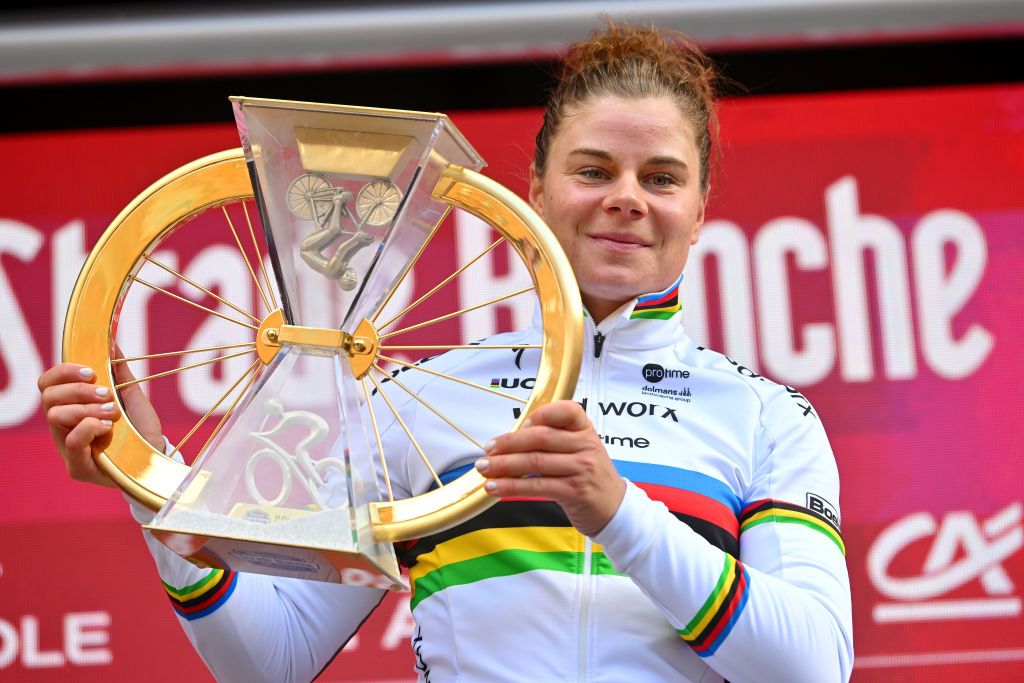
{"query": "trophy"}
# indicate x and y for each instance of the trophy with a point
(295, 478)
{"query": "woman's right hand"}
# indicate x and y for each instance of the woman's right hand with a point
(78, 411)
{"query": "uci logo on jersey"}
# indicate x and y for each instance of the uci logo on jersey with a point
(513, 382)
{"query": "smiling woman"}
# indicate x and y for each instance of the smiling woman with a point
(621, 170)
(622, 193)
(665, 525)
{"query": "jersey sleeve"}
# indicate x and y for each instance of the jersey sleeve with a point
(781, 610)
(250, 627)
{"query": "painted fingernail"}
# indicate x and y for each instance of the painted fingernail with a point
(489, 446)
(482, 464)
(86, 372)
(109, 405)
(106, 423)
(491, 486)
(102, 391)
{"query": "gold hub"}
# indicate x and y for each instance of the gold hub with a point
(360, 347)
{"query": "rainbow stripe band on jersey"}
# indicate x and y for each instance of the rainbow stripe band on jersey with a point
(660, 305)
(489, 553)
(762, 511)
(204, 596)
(704, 503)
(715, 620)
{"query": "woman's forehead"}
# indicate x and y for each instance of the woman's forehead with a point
(613, 126)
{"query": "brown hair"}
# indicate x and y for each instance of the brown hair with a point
(635, 62)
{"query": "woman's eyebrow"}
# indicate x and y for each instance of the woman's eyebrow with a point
(592, 152)
(666, 161)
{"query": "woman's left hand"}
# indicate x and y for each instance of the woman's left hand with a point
(559, 445)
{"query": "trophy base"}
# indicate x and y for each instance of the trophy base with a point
(351, 567)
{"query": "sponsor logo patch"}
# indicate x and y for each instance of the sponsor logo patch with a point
(816, 503)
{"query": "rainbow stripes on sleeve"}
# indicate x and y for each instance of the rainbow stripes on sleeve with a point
(762, 511)
(716, 618)
(204, 596)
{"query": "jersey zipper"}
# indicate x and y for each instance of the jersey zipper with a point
(588, 549)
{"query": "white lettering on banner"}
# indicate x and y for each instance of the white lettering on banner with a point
(133, 323)
(472, 237)
(796, 355)
(67, 256)
(984, 548)
(19, 399)
(781, 358)
(725, 242)
(852, 236)
(398, 631)
(85, 639)
(220, 269)
(941, 297)
(401, 626)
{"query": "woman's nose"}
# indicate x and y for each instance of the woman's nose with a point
(626, 197)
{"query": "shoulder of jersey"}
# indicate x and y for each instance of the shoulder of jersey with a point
(766, 389)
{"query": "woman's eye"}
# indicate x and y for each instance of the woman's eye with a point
(663, 180)
(592, 173)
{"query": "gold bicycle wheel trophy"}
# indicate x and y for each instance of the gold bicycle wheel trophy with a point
(296, 477)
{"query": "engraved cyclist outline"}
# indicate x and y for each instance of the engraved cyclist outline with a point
(300, 465)
(311, 193)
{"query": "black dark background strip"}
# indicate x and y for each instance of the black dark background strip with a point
(157, 101)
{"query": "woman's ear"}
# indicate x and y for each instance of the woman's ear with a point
(536, 195)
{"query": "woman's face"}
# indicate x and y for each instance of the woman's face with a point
(621, 192)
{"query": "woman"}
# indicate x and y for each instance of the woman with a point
(704, 547)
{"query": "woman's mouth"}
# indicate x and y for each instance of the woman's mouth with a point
(619, 242)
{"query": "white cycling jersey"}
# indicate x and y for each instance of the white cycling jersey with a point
(723, 562)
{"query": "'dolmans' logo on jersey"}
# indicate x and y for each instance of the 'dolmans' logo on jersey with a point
(655, 373)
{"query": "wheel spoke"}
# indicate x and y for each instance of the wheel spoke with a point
(450, 377)
(181, 444)
(429, 407)
(231, 408)
(115, 361)
(456, 313)
(201, 288)
(192, 303)
(408, 269)
(448, 279)
(245, 258)
(380, 446)
(401, 422)
(449, 347)
(182, 369)
(259, 256)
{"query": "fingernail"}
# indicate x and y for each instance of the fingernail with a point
(491, 485)
(106, 423)
(86, 372)
(527, 422)
(489, 446)
(102, 391)
(482, 464)
(107, 406)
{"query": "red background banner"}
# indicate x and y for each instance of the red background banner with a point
(864, 247)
